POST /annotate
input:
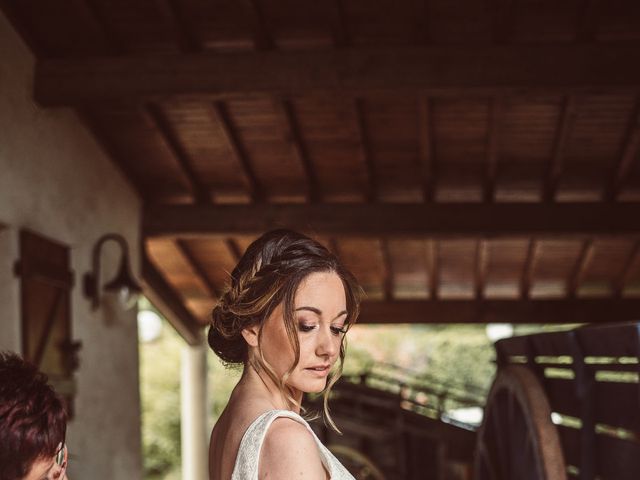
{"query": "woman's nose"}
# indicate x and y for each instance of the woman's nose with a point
(327, 343)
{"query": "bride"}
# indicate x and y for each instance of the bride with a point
(284, 319)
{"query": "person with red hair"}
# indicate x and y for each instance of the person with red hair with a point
(33, 424)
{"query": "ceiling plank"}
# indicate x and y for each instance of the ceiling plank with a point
(426, 69)
(450, 219)
(159, 121)
(588, 310)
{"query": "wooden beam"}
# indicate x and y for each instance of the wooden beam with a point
(289, 122)
(481, 266)
(339, 26)
(184, 33)
(387, 281)
(426, 148)
(445, 219)
(630, 148)
(261, 36)
(365, 149)
(453, 70)
(197, 270)
(432, 255)
(13, 11)
(169, 303)
(588, 21)
(158, 120)
(234, 248)
(112, 151)
(556, 163)
(493, 136)
(582, 264)
(501, 311)
(621, 281)
(94, 12)
(504, 16)
(528, 268)
(220, 115)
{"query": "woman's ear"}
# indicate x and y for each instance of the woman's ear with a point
(250, 335)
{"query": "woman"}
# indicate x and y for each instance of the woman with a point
(33, 424)
(283, 318)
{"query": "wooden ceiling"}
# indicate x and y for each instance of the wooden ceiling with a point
(471, 161)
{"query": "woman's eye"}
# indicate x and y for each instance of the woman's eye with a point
(338, 330)
(306, 328)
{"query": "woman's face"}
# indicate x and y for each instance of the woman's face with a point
(320, 313)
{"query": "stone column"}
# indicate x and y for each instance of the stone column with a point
(194, 418)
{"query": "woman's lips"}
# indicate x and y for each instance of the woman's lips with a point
(320, 371)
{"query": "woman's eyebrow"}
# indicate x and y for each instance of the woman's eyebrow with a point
(318, 312)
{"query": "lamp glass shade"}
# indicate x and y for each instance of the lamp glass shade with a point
(124, 286)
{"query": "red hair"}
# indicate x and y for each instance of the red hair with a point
(33, 420)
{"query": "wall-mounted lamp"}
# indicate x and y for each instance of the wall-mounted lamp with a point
(123, 284)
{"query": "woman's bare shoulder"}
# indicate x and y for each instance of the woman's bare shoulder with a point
(290, 451)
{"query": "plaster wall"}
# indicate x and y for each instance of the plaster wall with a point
(55, 180)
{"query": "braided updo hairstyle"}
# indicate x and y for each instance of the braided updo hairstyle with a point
(269, 274)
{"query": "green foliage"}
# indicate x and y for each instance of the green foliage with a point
(160, 397)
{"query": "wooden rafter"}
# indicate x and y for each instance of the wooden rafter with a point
(168, 302)
(262, 37)
(387, 282)
(556, 163)
(11, 10)
(585, 310)
(528, 268)
(433, 269)
(100, 24)
(504, 13)
(426, 148)
(481, 265)
(582, 264)
(289, 122)
(620, 282)
(156, 117)
(450, 219)
(341, 36)
(124, 164)
(588, 21)
(185, 34)
(442, 70)
(220, 115)
(234, 248)
(365, 149)
(197, 269)
(630, 149)
(493, 136)
(421, 34)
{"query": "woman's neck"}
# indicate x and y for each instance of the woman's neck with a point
(257, 384)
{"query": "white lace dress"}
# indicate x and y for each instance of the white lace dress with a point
(246, 467)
